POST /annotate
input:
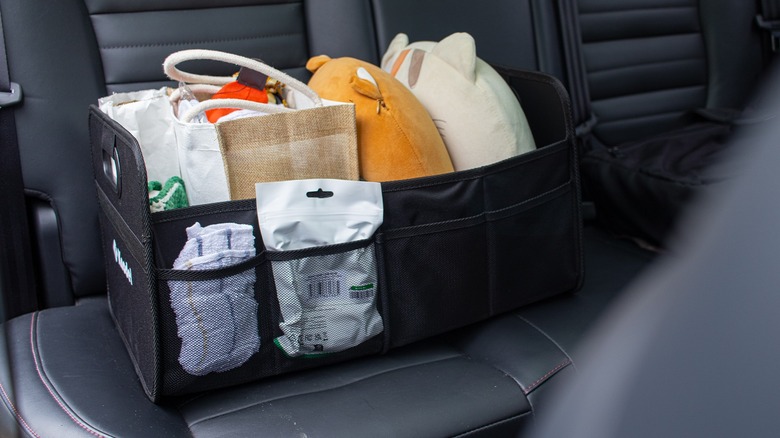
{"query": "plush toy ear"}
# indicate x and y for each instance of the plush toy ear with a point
(460, 51)
(316, 62)
(396, 46)
(365, 84)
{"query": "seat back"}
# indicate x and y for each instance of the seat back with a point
(518, 34)
(85, 49)
(650, 62)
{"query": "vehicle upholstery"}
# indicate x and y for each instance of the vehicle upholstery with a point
(65, 370)
(684, 353)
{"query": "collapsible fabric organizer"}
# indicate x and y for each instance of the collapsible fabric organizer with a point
(454, 249)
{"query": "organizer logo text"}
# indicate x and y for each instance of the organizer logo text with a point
(123, 264)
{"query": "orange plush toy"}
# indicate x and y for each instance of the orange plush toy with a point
(396, 137)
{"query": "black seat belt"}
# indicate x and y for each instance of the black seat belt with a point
(576, 75)
(577, 83)
(768, 19)
(17, 279)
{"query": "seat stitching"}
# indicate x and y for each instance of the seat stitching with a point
(46, 384)
(549, 374)
(7, 399)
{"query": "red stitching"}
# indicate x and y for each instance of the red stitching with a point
(46, 385)
(546, 376)
(18, 415)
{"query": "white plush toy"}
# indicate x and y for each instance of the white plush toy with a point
(476, 112)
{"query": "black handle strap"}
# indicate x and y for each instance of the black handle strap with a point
(576, 76)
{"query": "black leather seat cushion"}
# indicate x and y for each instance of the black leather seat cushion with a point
(68, 374)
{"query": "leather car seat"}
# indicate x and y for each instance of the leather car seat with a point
(690, 350)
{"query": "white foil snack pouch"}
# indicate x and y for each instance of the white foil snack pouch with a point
(317, 212)
(327, 300)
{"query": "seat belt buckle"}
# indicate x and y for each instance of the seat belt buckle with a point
(773, 28)
(586, 127)
(12, 97)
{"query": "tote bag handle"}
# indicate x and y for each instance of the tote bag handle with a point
(174, 59)
(232, 103)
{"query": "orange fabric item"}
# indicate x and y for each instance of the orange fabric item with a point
(396, 137)
(398, 62)
(235, 90)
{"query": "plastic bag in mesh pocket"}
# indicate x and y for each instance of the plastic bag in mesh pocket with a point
(328, 303)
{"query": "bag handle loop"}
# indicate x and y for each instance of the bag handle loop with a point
(170, 63)
(232, 103)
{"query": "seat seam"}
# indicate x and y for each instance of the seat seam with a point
(566, 362)
(16, 413)
(672, 89)
(249, 406)
(505, 420)
(146, 11)
(646, 64)
(683, 90)
(49, 389)
(646, 118)
(644, 8)
(549, 338)
(520, 384)
(190, 43)
(586, 43)
(547, 376)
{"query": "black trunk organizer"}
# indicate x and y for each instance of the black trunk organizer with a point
(453, 250)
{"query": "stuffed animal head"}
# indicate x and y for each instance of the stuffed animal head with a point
(396, 137)
(474, 109)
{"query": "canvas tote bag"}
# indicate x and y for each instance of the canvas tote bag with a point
(147, 115)
(311, 138)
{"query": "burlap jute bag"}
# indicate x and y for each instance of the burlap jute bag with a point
(319, 142)
(311, 138)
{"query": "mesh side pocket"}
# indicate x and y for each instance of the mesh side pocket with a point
(327, 302)
(216, 321)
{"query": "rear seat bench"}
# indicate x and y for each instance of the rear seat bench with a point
(66, 370)
(69, 374)
(656, 71)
